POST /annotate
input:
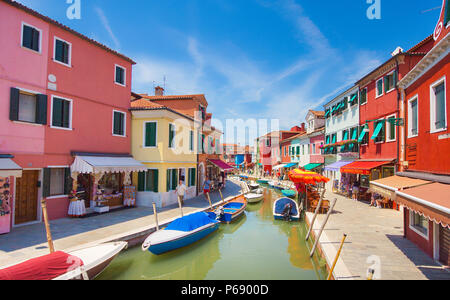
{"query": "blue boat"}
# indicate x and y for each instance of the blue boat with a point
(181, 233)
(263, 181)
(279, 209)
(289, 193)
(231, 211)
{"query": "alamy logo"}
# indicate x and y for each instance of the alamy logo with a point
(74, 10)
(374, 10)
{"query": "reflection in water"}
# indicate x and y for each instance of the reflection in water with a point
(255, 247)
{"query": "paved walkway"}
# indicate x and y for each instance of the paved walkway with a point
(375, 239)
(69, 234)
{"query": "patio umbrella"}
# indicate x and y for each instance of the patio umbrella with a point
(307, 177)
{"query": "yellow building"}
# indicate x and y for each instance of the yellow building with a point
(165, 141)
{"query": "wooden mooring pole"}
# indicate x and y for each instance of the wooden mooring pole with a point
(47, 226)
(323, 227)
(209, 199)
(337, 257)
(221, 196)
(156, 216)
(315, 215)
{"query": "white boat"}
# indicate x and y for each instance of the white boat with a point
(83, 264)
(253, 186)
(279, 207)
(254, 198)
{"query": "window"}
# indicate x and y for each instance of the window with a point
(28, 107)
(418, 223)
(365, 138)
(119, 123)
(379, 131)
(334, 138)
(354, 99)
(391, 128)
(120, 75)
(438, 106)
(56, 182)
(62, 52)
(390, 82)
(191, 140)
(150, 131)
(447, 13)
(354, 134)
(171, 136)
(379, 88)
(172, 179)
(298, 150)
(363, 96)
(192, 177)
(61, 113)
(413, 117)
(148, 181)
(313, 148)
(31, 37)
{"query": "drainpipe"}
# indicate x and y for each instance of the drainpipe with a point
(400, 109)
(402, 138)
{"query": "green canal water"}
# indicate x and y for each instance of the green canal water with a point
(255, 247)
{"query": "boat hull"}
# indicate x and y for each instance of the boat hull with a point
(277, 211)
(187, 240)
(255, 199)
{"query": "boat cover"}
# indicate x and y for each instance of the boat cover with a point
(191, 222)
(288, 193)
(279, 206)
(46, 267)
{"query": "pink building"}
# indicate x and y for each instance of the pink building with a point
(65, 98)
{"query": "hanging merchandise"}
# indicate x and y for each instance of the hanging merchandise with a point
(5, 196)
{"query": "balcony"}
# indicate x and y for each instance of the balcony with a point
(348, 149)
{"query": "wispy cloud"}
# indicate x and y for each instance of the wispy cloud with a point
(107, 27)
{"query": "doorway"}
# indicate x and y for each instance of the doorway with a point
(26, 202)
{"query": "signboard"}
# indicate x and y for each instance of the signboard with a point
(5, 205)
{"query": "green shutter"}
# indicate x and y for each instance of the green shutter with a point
(68, 181)
(380, 87)
(378, 129)
(155, 181)
(168, 180)
(141, 181)
(46, 183)
(57, 112)
(171, 136)
(191, 141)
(363, 133)
(14, 105)
(41, 109)
(66, 114)
(345, 136)
(150, 134)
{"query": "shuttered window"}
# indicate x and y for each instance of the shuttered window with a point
(171, 136)
(172, 179)
(27, 107)
(61, 113)
(391, 129)
(390, 82)
(31, 38)
(150, 134)
(363, 96)
(413, 121)
(119, 123)
(62, 51)
(56, 182)
(148, 181)
(439, 105)
(192, 177)
(380, 87)
(191, 141)
(120, 75)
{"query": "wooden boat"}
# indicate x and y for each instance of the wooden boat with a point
(254, 197)
(83, 264)
(279, 206)
(232, 210)
(262, 181)
(181, 233)
(289, 193)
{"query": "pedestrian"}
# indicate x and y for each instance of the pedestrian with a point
(221, 181)
(355, 190)
(376, 200)
(206, 187)
(181, 191)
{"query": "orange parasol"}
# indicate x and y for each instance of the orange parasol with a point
(308, 177)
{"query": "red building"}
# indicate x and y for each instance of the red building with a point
(379, 115)
(426, 146)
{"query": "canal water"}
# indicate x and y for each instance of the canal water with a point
(255, 247)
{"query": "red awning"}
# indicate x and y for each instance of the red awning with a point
(221, 165)
(363, 167)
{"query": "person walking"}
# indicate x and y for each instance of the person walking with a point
(181, 191)
(206, 188)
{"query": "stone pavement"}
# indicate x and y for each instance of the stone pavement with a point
(69, 234)
(375, 240)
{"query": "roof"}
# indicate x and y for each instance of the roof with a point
(144, 104)
(317, 113)
(66, 28)
(198, 97)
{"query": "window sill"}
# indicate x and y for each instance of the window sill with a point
(379, 96)
(439, 130)
(31, 50)
(410, 136)
(391, 141)
(121, 136)
(120, 84)
(61, 63)
(61, 128)
(27, 123)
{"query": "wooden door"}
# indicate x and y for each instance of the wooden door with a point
(26, 205)
(444, 245)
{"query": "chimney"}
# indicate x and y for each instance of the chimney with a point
(303, 127)
(397, 51)
(159, 91)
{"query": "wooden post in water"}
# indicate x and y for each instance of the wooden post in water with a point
(156, 216)
(323, 227)
(221, 196)
(337, 257)
(315, 215)
(47, 226)
(209, 199)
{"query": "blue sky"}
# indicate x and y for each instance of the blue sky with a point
(253, 59)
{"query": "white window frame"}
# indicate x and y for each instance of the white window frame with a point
(34, 93)
(40, 37)
(393, 86)
(172, 169)
(410, 134)
(64, 181)
(69, 64)
(124, 125)
(124, 75)
(413, 228)
(144, 134)
(433, 105)
(376, 88)
(367, 98)
(70, 115)
(385, 132)
(388, 129)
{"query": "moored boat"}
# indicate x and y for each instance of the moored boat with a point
(232, 210)
(281, 210)
(262, 181)
(181, 233)
(289, 193)
(253, 186)
(254, 197)
(83, 264)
